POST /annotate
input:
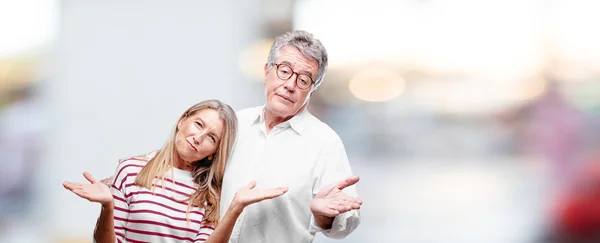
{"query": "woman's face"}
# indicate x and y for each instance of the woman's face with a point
(199, 135)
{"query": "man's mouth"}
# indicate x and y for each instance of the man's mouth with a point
(285, 98)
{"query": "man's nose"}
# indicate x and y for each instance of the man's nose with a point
(290, 84)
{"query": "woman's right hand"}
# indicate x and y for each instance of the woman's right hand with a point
(94, 192)
(248, 195)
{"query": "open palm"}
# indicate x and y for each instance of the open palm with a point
(94, 192)
(332, 201)
(248, 195)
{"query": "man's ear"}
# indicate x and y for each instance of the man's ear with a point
(266, 69)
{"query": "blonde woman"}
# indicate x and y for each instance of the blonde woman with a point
(172, 195)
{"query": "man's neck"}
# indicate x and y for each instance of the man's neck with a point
(272, 120)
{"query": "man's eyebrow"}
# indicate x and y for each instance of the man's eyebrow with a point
(301, 72)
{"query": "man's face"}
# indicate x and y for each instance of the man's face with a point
(284, 98)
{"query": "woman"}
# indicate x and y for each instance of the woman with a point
(172, 195)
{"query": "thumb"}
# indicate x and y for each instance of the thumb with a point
(89, 177)
(251, 185)
(349, 181)
(325, 190)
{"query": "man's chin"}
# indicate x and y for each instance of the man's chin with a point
(281, 109)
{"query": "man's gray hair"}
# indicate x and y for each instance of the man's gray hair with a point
(308, 45)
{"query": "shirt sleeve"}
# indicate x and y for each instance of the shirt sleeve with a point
(333, 166)
(204, 233)
(119, 190)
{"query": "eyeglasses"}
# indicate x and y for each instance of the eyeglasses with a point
(285, 72)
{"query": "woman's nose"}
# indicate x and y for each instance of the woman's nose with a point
(197, 139)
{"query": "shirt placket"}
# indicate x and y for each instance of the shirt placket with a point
(254, 172)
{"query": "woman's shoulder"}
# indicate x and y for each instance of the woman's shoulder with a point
(136, 161)
(139, 158)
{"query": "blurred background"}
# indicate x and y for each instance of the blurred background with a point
(467, 120)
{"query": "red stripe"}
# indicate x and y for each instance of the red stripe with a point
(200, 240)
(134, 241)
(121, 170)
(119, 198)
(156, 194)
(132, 158)
(137, 221)
(120, 234)
(207, 227)
(156, 177)
(160, 186)
(165, 206)
(122, 209)
(162, 214)
(199, 234)
(180, 184)
(160, 234)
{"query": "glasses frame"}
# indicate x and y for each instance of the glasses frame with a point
(277, 65)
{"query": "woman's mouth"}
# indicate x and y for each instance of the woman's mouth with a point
(192, 145)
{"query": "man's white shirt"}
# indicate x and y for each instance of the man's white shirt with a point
(303, 154)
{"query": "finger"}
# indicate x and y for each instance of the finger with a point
(347, 182)
(330, 212)
(251, 185)
(67, 185)
(71, 186)
(342, 208)
(344, 197)
(355, 205)
(106, 181)
(81, 194)
(345, 205)
(353, 200)
(327, 189)
(89, 177)
(273, 193)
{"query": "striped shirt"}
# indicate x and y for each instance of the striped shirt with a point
(141, 216)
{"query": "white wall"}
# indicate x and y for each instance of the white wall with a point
(122, 72)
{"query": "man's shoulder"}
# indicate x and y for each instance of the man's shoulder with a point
(248, 113)
(322, 130)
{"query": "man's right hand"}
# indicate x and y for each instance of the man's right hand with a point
(94, 192)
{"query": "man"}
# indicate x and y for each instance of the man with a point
(282, 144)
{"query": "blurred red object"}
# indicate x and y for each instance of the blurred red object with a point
(578, 212)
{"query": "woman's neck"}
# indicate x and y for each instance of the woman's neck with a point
(179, 163)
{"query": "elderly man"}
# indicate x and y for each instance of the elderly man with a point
(282, 144)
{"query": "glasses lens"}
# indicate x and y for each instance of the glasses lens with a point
(284, 71)
(304, 81)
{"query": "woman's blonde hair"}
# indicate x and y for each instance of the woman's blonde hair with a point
(208, 174)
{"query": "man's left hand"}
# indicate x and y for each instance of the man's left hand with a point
(331, 201)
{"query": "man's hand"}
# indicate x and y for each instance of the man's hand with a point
(331, 201)
(94, 192)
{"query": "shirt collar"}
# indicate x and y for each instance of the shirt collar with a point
(298, 122)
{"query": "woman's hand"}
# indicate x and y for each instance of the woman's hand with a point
(94, 192)
(248, 195)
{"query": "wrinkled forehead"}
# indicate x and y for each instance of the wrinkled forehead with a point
(291, 56)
